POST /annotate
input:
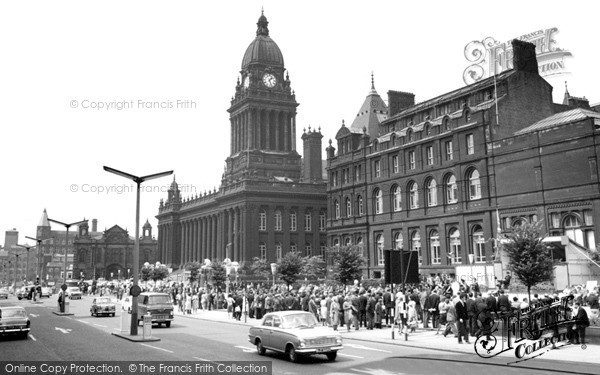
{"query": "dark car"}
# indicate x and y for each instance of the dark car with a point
(103, 306)
(295, 333)
(159, 305)
(14, 321)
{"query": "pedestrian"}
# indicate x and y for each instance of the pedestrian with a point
(195, 303)
(230, 304)
(323, 311)
(462, 317)
(581, 323)
(334, 314)
(348, 313)
(450, 319)
(379, 311)
(411, 320)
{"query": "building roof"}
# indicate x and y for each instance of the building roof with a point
(263, 49)
(44, 220)
(559, 119)
(372, 112)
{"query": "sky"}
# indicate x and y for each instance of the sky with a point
(60, 61)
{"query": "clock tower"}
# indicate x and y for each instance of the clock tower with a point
(263, 116)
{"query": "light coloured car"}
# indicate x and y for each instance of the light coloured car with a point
(46, 291)
(295, 333)
(103, 306)
(14, 321)
(4, 293)
(73, 292)
(159, 305)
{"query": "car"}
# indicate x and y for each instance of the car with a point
(103, 305)
(74, 292)
(46, 291)
(25, 292)
(4, 293)
(159, 305)
(14, 321)
(295, 333)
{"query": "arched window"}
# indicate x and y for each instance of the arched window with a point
(348, 207)
(447, 124)
(379, 246)
(336, 242)
(278, 220)
(410, 135)
(293, 221)
(474, 185)
(293, 247)
(455, 253)
(378, 201)
(572, 226)
(434, 247)
(348, 241)
(308, 249)
(397, 198)
(322, 221)
(451, 190)
(431, 193)
(359, 204)
(360, 244)
(467, 115)
(414, 195)
(278, 251)
(262, 220)
(415, 245)
(398, 241)
(263, 250)
(478, 244)
(337, 209)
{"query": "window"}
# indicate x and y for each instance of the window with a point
(357, 172)
(446, 124)
(575, 231)
(395, 163)
(378, 196)
(410, 135)
(359, 204)
(455, 251)
(262, 220)
(278, 220)
(82, 256)
(415, 244)
(398, 241)
(411, 160)
(308, 221)
(293, 221)
(478, 244)
(377, 168)
(449, 154)
(333, 178)
(278, 250)
(397, 198)
(451, 190)
(337, 210)
(470, 145)
(293, 247)
(379, 246)
(414, 195)
(467, 115)
(345, 176)
(322, 222)
(348, 207)
(429, 151)
(348, 241)
(432, 193)
(308, 249)
(263, 250)
(434, 247)
(474, 185)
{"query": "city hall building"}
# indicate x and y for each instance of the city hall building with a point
(270, 200)
(443, 177)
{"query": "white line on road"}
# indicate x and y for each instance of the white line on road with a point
(245, 348)
(205, 360)
(34, 315)
(33, 338)
(156, 347)
(83, 321)
(100, 325)
(351, 356)
(366, 348)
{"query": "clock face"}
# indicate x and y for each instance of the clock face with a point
(269, 80)
(247, 81)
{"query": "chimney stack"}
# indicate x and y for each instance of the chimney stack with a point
(313, 161)
(94, 225)
(399, 101)
(524, 58)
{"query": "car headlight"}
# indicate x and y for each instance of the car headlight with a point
(338, 340)
(302, 343)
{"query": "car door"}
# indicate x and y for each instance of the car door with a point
(265, 330)
(277, 338)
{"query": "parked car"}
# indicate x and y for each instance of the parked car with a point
(46, 291)
(14, 321)
(159, 305)
(25, 292)
(103, 305)
(74, 292)
(4, 293)
(295, 333)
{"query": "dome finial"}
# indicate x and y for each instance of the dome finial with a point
(372, 81)
(262, 24)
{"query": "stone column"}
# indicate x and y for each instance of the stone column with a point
(293, 135)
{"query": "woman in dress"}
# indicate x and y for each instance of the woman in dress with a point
(323, 311)
(334, 313)
(348, 313)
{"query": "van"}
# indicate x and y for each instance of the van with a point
(159, 305)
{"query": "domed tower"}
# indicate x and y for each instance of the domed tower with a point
(263, 115)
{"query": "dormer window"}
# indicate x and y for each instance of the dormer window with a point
(410, 135)
(467, 115)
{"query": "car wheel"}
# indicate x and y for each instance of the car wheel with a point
(19, 298)
(260, 348)
(25, 335)
(291, 353)
(332, 356)
(92, 312)
(168, 324)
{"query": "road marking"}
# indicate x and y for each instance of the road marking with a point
(205, 360)
(366, 348)
(156, 347)
(62, 330)
(246, 349)
(34, 315)
(33, 338)
(351, 356)
(83, 321)
(100, 325)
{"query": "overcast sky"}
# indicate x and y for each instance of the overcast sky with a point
(56, 56)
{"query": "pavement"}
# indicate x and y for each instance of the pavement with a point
(424, 338)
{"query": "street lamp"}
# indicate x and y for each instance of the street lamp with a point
(38, 268)
(235, 266)
(273, 270)
(135, 289)
(17, 255)
(27, 247)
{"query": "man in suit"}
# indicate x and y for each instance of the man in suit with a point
(462, 318)
(471, 314)
(362, 309)
(492, 305)
(581, 323)
(504, 305)
(388, 304)
(431, 309)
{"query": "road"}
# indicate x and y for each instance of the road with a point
(82, 337)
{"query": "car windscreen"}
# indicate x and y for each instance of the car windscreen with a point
(13, 313)
(298, 321)
(103, 300)
(156, 300)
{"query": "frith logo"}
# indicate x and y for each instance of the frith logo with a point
(489, 56)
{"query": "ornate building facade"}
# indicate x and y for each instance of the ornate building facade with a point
(270, 200)
(443, 177)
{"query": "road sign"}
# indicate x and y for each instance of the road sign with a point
(135, 290)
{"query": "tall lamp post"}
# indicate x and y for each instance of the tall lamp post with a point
(235, 266)
(273, 271)
(38, 268)
(27, 247)
(64, 286)
(135, 289)
(17, 255)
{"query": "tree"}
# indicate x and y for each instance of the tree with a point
(219, 274)
(290, 266)
(194, 268)
(259, 267)
(160, 272)
(530, 259)
(348, 261)
(146, 272)
(314, 267)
